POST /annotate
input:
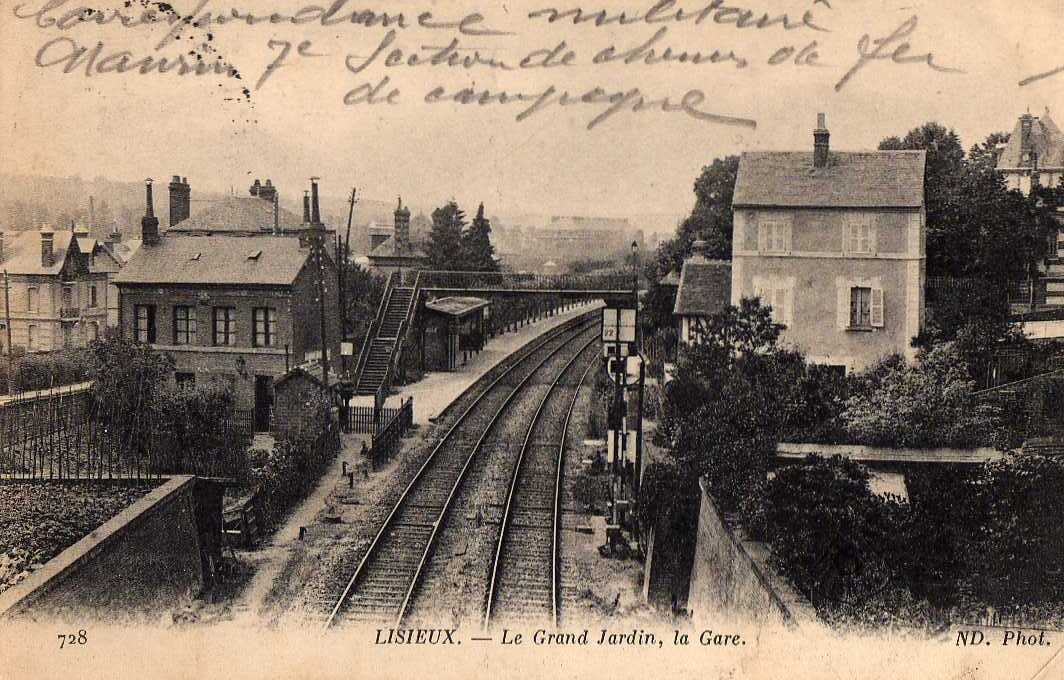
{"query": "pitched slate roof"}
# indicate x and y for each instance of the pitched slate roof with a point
(1046, 140)
(22, 252)
(863, 179)
(387, 249)
(217, 260)
(670, 279)
(457, 306)
(705, 287)
(239, 213)
(125, 250)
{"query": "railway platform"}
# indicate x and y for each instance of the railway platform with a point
(436, 391)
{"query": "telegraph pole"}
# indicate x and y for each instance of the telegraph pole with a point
(319, 230)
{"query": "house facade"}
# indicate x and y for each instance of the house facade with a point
(834, 243)
(704, 290)
(243, 309)
(55, 292)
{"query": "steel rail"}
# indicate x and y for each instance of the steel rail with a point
(418, 477)
(508, 511)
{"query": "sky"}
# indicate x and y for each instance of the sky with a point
(297, 125)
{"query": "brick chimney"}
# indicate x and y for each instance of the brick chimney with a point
(402, 227)
(267, 192)
(306, 207)
(315, 210)
(1, 245)
(821, 138)
(256, 188)
(180, 200)
(47, 246)
(149, 224)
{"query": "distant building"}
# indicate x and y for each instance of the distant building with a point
(57, 289)
(398, 252)
(704, 290)
(834, 242)
(245, 309)
(1034, 154)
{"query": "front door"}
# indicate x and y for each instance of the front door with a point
(263, 402)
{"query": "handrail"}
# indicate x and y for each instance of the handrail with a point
(400, 336)
(371, 332)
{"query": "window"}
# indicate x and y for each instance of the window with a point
(31, 338)
(777, 296)
(94, 330)
(224, 326)
(265, 319)
(866, 307)
(860, 235)
(31, 300)
(144, 323)
(184, 325)
(774, 236)
(92, 296)
(67, 297)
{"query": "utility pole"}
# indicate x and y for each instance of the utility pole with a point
(344, 319)
(319, 243)
(7, 314)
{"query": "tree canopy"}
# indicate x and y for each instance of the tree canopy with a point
(478, 253)
(445, 238)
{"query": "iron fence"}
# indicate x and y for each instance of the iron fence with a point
(386, 441)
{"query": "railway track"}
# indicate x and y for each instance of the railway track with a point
(384, 583)
(525, 584)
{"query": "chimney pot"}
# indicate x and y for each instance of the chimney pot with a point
(306, 207)
(47, 248)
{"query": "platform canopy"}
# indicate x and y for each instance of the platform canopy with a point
(457, 306)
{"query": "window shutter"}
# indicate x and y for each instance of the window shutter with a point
(762, 236)
(873, 235)
(877, 308)
(787, 234)
(790, 305)
(842, 307)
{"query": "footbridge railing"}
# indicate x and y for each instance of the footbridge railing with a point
(568, 285)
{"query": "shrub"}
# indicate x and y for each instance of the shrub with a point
(926, 405)
(193, 428)
(829, 533)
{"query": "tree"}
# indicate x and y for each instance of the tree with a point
(734, 393)
(479, 254)
(445, 250)
(711, 218)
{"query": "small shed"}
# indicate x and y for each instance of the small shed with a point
(452, 331)
(294, 392)
(704, 290)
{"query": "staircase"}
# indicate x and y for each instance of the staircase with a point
(385, 341)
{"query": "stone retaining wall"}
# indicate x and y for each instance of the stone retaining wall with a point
(136, 565)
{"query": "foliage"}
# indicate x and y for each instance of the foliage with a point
(285, 473)
(41, 519)
(711, 218)
(829, 534)
(926, 405)
(127, 377)
(477, 251)
(734, 394)
(193, 429)
(42, 371)
(362, 296)
(445, 239)
(975, 227)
